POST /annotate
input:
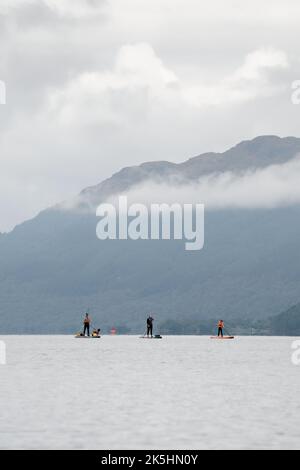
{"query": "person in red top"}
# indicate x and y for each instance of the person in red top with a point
(220, 328)
(86, 324)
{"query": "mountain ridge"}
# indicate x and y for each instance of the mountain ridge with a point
(248, 155)
(53, 267)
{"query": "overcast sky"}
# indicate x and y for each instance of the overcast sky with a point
(96, 85)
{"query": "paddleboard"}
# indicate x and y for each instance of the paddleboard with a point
(87, 337)
(221, 339)
(153, 337)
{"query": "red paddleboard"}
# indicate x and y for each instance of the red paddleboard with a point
(221, 339)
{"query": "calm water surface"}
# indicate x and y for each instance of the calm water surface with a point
(126, 393)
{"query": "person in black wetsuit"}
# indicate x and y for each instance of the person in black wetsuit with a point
(150, 321)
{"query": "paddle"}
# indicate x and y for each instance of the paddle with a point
(226, 331)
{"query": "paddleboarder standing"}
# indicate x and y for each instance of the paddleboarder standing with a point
(221, 328)
(150, 321)
(86, 324)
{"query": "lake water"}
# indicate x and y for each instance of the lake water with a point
(126, 393)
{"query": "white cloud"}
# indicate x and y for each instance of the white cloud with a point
(272, 187)
(140, 80)
(199, 13)
(251, 80)
(64, 8)
(260, 62)
(76, 8)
